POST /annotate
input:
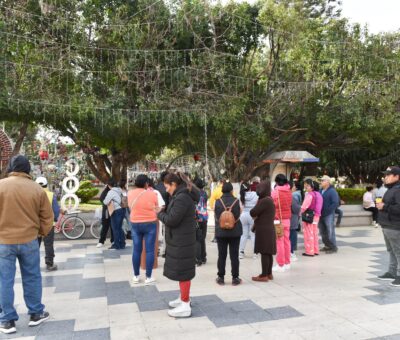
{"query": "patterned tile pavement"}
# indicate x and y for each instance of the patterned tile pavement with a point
(91, 296)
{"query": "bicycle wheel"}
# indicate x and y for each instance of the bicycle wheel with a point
(73, 227)
(95, 229)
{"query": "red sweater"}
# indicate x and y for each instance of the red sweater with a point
(285, 197)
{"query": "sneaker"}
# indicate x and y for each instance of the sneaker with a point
(37, 319)
(287, 266)
(386, 277)
(220, 280)
(100, 245)
(331, 251)
(325, 248)
(149, 280)
(175, 303)
(51, 267)
(396, 282)
(236, 281)
(279, 269)
(241, 255)
(293, 257)
(182, 311)
(8, 327)
(136, 279)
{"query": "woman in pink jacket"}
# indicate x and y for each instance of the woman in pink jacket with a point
(311, 212)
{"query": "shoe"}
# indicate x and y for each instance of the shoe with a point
(255, 256)
(112, 248)
(331, 251)
(386, 277)
(175, 303)
(287, 266)
(199, 263)
(220, 280)
(8, 327)
(325, 248)
(37, 319)
(182, 311)
(51, 267)
(236, 281)
(204, 261)
(214, 240)
(270, 277)
(136, 279)
(241, 255)
(100, 245)
(293, 257)
(316, 254)
(309, 255)
(396, 282)
(279, 269)
(149, 280)
(260, 278)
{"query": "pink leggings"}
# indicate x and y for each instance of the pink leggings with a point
(185, 290)
(283, 245)
(310, 231)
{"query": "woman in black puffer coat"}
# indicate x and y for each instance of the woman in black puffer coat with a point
(180, 238)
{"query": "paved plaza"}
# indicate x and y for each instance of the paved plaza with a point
(337, 296)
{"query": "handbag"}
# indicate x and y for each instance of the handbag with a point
(279, 226)
(308, 216)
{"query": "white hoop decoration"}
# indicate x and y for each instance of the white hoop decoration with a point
(72, 167)
(67, 188)
(69, 198)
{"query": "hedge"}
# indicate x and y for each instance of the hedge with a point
(350, 195)
(86, 191)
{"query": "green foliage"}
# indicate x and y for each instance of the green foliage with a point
(351, 195)
(86, 191)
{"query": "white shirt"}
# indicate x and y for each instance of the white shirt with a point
(368, 200)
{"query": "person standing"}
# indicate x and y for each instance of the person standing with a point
(215, 196)
(389, 219)
(265, 241)
(202, 219)
(105, 218)
(311, 210)
(228, 237)
(369, 205)
(25, 214)
(113, 201)
(249, 199)
(49, 239)
(282, 197)
(160, 187)
(180, 236)
(295, 219)
(143, 204)
(326, 223)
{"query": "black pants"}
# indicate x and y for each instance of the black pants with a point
(201, 234)
(374, 213)
(233, 243)
(48, 247)
(266, 264)
(106, 225)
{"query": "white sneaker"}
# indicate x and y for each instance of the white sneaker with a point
(136, 279)
(175, 303)
(293, 257)
(241, 255)
(279, 269)
(100, 245)
(182, 311)
(149, 280)
(286, 266)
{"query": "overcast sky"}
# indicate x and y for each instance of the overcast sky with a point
(380, 15)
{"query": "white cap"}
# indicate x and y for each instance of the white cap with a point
(42, 181)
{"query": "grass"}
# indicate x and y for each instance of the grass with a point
(90, 206)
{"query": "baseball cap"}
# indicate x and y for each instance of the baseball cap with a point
(42, 181)
(325, 178)
(392, 170)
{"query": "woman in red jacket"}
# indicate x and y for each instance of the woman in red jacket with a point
(282, 197)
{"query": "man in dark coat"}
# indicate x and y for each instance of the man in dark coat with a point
(265, 242)
(105, 218)
(226, 237)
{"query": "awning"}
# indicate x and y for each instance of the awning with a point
(291, 157)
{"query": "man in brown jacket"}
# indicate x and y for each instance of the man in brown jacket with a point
(25, 213)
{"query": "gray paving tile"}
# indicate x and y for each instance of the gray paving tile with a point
(151, 306)
(100, 334)
(388, 337)
(285, 312)
(57, 327)
(243, 306)
(206, 300)
(60, 336)
(146, 293)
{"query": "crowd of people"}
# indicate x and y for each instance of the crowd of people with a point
(269, 215)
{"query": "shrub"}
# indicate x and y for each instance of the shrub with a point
(86, 191)
(350, 195)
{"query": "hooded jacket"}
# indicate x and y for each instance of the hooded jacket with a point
(25, 210)
(250, 201)
(115, 196)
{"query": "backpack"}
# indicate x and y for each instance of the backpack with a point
(201, 209)
(227, 220)
(124, 201)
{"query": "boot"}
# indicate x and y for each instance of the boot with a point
(182, 311)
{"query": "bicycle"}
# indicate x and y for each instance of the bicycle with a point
(95, 228)
(73, 227)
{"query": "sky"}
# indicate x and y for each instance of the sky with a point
(380, 15)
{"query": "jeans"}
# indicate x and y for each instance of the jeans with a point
(293, 240)
(116, 224)
(392, 240)
(339, 212)
(28, 256)
(146, 231)
(201, 233)
(247, 223)
(326, 227)
(233, 243)
(48, 247)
